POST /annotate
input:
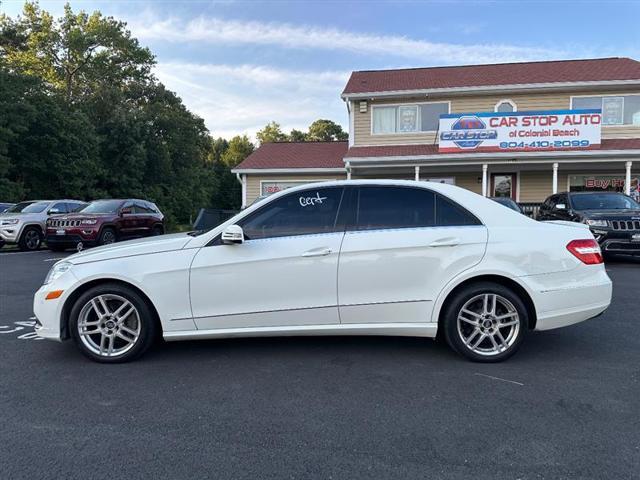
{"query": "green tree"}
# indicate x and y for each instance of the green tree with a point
(297, 136)
(326, 131)
(218, 147)
(272, 132)
(240, 147)
(78, 53)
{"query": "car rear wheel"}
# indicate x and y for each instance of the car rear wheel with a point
(107, 237)
(111, 323)
(486, 322)
(31, 239)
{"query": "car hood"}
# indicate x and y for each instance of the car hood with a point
(80, 215)
(620, 214)
(144, 246)
(25, 217)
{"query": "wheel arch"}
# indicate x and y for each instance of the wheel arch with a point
(71, 300)
(30, 225)
(503, 280)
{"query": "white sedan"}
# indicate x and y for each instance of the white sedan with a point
(335, 258)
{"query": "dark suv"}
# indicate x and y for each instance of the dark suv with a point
(103, 222)
(614, 218)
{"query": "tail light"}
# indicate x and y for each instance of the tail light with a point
(587, 251)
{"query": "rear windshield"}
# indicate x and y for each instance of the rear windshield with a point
(103, 206)
(604, 201)
(28, 207)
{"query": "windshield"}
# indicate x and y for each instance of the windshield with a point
(28, 207)
(102, 206)
(603, 201)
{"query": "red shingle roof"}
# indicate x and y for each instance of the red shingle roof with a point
(296, 155)
(591, 70)
(415, 150)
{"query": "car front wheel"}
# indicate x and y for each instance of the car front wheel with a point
(107, 237)
(30, 239)
(112, 323)
(486, 322)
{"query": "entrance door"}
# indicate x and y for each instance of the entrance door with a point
(504, 185)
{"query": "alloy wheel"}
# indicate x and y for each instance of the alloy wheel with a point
(109, 325)
(32, 239)
(108, 237)
(488, 324)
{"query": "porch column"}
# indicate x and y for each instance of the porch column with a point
(485, 167)
(348, 167)
(627, 178)
(244, 191)
(417, 174)
(555, 178)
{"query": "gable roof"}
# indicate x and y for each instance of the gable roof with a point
(494, 75)
(279, 155)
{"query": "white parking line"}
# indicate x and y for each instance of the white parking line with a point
(498, 378)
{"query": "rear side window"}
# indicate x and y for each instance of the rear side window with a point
(301, 213)
(450, 214)
(398, 207)
(395, 207)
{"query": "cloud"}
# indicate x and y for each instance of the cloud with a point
(236, 99)
(234, 32)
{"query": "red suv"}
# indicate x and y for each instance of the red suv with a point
(103, 222)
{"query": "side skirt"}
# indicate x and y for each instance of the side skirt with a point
(428, 330)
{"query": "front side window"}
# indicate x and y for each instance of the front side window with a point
(616, 109)
(103, 206)
(305, 212)
(408, 118)
(59, 207)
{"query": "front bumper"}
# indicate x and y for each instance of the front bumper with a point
(617, 241)
(9, 233)
(49, 312)
(72, 236)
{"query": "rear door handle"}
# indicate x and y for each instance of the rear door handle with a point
(317, 252)
(445, 242)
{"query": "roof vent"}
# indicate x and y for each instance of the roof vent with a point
(363, 106)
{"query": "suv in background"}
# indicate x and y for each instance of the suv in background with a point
(103, 222)
(614, 218)
(25, 222)
(5, 206)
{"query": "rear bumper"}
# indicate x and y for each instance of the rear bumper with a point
(566, 298)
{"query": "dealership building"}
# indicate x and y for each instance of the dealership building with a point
(521, 130)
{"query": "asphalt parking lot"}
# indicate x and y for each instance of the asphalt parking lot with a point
(566, 406)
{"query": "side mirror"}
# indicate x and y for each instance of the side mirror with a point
(232, 235)
(561, 206)
(53, 211)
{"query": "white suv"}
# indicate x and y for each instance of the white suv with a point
(25, 222)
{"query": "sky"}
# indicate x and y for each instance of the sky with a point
(240, 64)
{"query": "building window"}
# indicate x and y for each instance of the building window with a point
(604, 183)
(616, 109)
(505, 106)
(423, 117)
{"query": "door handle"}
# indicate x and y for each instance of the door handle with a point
(445, 242)
(317, 252)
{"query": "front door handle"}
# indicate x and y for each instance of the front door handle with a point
(445, 242)
(317, 252)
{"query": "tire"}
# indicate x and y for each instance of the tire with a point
(30, 240)
(471, 325)
(157, 230)
(107, 236)
(116, 338)
(57, 248)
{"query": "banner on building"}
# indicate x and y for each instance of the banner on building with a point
(520, 131)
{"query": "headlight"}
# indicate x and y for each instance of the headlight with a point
(56, 271)
(597, 223)
(88, 222)
(13, 221)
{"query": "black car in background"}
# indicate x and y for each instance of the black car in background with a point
(509, 203)
(614, 218)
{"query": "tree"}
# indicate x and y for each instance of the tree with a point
(218, 147)
(240, 147)
(77, 53)
(297, 136)
(271, 133)
(326, 131)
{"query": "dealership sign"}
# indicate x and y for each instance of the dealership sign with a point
(520, 131)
